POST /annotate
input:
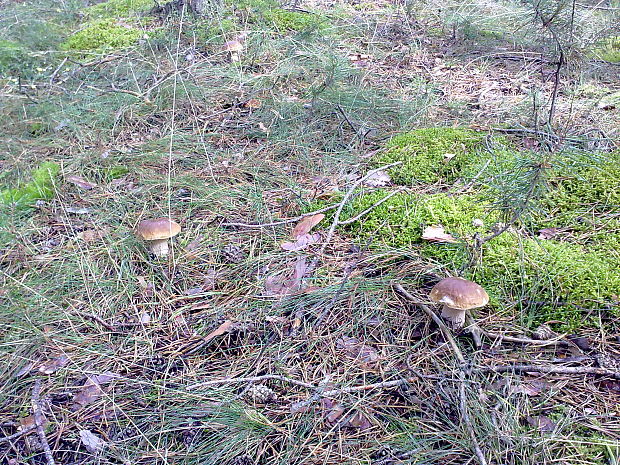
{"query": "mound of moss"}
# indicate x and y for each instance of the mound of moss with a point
(270, 13)
(41, 187)
(431, 154)
(103, 34)
(115, 9)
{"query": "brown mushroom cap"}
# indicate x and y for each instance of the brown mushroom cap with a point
(459, 293)
(158, 229)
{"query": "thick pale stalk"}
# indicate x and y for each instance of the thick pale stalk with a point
(455, 316)
(159, 248)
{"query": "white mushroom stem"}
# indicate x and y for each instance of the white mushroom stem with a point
(159, 247)
(234, 57)
(455, 316)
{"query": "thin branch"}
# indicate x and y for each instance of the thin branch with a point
(38, 421)
(253, 379)
(17, 435)
(550, 369)
(285, 221)
(369, 209)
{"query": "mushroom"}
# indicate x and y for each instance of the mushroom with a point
(156, 234)
(457, 296)
(234, 47)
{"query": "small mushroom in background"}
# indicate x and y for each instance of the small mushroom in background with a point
(156, 234)
(235, 46)
(457, 296)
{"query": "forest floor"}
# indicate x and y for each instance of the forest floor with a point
(272, 334)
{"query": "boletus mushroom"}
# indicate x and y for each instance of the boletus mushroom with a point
(457, 296)
(156, 234)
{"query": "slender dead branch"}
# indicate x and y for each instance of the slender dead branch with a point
(550, 369)
(17, 435)
(253, 379)
(284, 221)
(38, 421)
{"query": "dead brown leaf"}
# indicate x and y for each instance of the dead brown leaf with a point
(81, 182)
(284, 284)
(92, 389)
(222, 329)
(365, 355)
(548, 233)
(437, 234)
(51, 366)
(302, 242)
(305, 225)
(543, 423)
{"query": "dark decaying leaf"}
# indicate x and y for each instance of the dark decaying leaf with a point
(283, 284)
(541, 422)
(92, 389)
(365, 355)
(548, 233)
(51, 366)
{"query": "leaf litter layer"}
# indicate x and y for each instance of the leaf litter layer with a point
(235, 349)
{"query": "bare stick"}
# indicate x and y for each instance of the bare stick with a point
(285, 221)
(465, 415)
(369, 209)
(17, 435)
(344, 201)
(253, 379)
(525, 340)
(550, 369)
(38, 421)
(442, 326)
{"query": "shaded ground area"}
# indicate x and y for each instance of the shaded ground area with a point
(267, 337)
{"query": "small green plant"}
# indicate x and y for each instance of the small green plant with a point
(41, 187)
(430, 155)
(609, 50)
(103, 34)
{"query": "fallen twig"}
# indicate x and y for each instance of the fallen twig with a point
(38, 421)
(550, 369)
(253, 379)
(284, 221)
(17, 435)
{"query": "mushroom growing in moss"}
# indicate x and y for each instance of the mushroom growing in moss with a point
(457, 296)
(156, 234)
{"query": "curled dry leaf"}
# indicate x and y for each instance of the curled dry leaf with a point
(91, 441)
(305, 225)
(548, 233)
(378, 179)
(543, 423)
(302, 242)
(81, 182)
(365, 355)
(92, 389)
(51, 366)
(222, 329)
(437, 234)
(283, 284)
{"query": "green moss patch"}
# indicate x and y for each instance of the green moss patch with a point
(285, 20)
(609, 50)
(430, 155)
(119, 8)
(41, 187)
(103, 34)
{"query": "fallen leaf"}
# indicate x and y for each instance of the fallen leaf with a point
(222, 329)
(253, 103)
(92, 390)
(91, 441)
(530, 388)
(543, 423)
(25, 370)
(378, 179)
(29, 422)
(302, 242)
(366, 355)
(81, 182)
(283, 284)
(448, 156)
(89, 235)
(53, 365)
(548, 233)
(437, 234)
(79, 210)
(305, 225)
(332, 410)
(359, 420)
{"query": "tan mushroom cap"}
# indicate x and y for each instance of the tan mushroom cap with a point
(233, 46)
(459, 293)
(158, 229)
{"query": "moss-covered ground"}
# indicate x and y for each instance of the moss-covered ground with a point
(237, 350)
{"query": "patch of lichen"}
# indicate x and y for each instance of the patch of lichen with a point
(40, 187)
(116, 9)
(103, 34)
(431, 154)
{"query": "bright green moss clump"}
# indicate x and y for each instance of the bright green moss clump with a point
(119, 8)
(610, 50)
(286, 20)
(40, 187)
(430, 155)
(103, 34)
